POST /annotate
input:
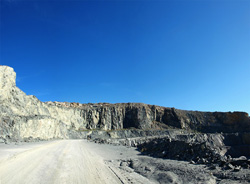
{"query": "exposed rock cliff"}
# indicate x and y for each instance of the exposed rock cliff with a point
(23, 116)
(142, 116)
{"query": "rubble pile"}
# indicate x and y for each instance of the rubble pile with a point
(195, 153)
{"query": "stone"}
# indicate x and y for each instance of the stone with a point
(147, 168)
(237, 168)
(239, 161)
(192, 162)
(229, 166)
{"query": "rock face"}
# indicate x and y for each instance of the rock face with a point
(23, 116)
(142, 116)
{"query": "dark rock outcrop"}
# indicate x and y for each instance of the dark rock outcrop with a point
(200, 149)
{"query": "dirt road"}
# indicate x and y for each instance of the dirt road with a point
(58, 162)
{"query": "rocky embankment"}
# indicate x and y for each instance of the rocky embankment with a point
(23, 118)
(226, 150)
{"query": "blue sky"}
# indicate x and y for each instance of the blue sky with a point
(192, 55)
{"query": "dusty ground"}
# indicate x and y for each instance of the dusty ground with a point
(56, 162)
(79, 161)
(65, 161)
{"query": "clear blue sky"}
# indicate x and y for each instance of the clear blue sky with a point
(192, 55)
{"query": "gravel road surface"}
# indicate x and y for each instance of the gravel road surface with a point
(65, 161)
